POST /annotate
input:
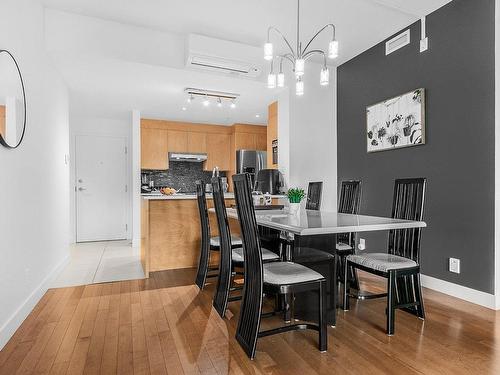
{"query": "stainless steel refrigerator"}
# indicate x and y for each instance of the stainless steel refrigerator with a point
(250, 161)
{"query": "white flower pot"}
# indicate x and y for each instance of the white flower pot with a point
(294, 208)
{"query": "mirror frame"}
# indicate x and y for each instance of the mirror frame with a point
(3, 142)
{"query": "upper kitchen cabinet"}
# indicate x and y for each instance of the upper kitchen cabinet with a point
(177, 141)
(197, 142)
(272, 134)
(250, 137)
(218, 151)
(154, 148)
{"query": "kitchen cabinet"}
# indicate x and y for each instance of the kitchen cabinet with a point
(197, 142)
(154, 154)
(177, 141)
(218, 151)
(272, 133)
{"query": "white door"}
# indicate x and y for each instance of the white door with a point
(101, 188)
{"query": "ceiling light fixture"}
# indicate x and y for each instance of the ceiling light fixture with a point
(206, 102)
(219, 102)
(233, 104)
(299, 56)
(257, 115)
(184, 108)
(190, 98)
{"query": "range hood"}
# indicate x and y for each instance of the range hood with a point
(187, 156)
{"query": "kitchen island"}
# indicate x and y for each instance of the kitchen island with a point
(170, 230)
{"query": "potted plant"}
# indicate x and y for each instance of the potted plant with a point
(295, 195)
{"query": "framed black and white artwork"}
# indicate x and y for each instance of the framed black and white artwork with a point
(396, 122)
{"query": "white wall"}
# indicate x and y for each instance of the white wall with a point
(34, 191)
(307, 131)
(99, 126)
(497, 154)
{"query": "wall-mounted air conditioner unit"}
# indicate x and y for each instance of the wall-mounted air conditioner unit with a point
(222, 56)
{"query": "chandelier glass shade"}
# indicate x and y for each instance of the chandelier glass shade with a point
(298, 56)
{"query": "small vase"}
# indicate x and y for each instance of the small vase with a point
(294, 208)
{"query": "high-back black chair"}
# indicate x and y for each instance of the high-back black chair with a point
(314, 192)
(401, 264)
(225, 258)
(230, 257)
(270, 278)
(208, 243)
(349, 203)
(204, 260)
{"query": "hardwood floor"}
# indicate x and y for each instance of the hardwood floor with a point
(165, 326)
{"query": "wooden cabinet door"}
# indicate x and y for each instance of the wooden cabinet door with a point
(154, 154)
(219, 151)
(261, 142)
(197, 142)
(245, 141)
(177, 141)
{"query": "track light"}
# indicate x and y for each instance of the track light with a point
(219, 102)
(233, 104)
(190, 98)
(206, 102)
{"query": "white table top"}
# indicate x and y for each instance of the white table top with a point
(309, 222)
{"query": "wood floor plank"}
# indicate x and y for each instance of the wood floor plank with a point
(165, 325)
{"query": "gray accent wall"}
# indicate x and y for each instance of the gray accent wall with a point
(458, 73)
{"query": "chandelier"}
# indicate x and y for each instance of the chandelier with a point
(298, 57)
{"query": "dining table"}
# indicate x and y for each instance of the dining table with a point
(318, 229)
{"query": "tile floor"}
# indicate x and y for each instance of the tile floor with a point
(97, 262)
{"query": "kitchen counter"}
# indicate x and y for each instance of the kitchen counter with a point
(191, 196)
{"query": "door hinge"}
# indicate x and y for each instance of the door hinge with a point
(126, 227)
(126, 149)
(126, 188)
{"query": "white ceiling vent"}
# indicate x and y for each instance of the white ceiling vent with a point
(223, 56)
(399, 41)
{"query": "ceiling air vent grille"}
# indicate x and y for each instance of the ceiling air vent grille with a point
(399, 41)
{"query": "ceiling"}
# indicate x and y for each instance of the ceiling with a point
(114, 86)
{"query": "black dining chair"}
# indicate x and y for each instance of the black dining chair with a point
(349, 203)
(270, 278)
(230, 258)
(208, 244)
(401, 264)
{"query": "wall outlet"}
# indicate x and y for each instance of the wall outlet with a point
(362, 244)
(454, 265)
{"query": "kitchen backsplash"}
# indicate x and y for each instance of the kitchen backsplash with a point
(180, 175)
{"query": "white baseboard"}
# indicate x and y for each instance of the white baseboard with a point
(459, 291)
(17, 318)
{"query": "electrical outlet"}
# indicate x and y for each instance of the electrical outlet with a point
(454, 265)
(362, 244)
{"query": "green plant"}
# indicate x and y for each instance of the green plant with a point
(295, 195)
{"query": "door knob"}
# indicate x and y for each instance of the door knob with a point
(81, 189)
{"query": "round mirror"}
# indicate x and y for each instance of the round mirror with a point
(12, 101)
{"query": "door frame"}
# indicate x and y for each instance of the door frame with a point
(128, 176)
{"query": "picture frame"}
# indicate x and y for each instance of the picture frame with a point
(398, 122)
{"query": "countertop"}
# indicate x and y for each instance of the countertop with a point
(191, 196)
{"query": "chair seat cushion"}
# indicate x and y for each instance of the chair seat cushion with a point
(382, 261)
(286, 273)
(309, 254)
(343, 247)
(235, 240)
(267, 255)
